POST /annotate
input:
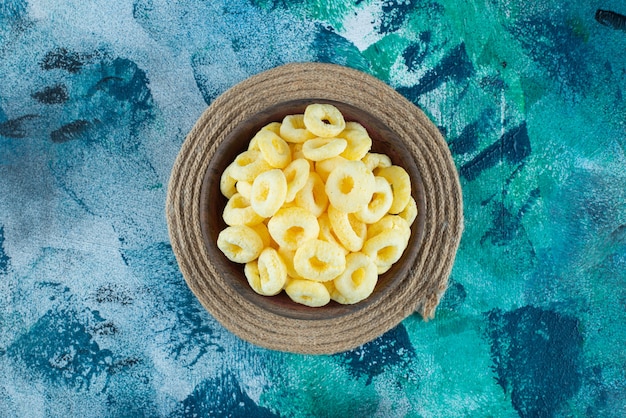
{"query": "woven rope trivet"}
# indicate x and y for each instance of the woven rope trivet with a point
(427, 280)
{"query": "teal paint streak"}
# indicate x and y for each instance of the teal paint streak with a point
(4, 258)
(513, 146)
(537, 356)
(221, 396)
(19, 127)
(391, 350)
(395, 13)
(192, 335)
(61, 350)
(333, 48)
(13, 11)
(456, 66)
(555, 45)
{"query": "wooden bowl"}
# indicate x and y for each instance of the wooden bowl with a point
(212, 204)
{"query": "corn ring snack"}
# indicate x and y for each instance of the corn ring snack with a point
(273, 127)
(359, 141)
(244, 188)
(374, 160)
(400, 185)
(380, 203)
(358, 280)
(272, 272)
(251, 271)
(323, 120)
(254, 144)
(293, 130)
(261, 229)
(350, 186)
(262, 284)
(268, 192)
(319, 260)
(383, 268)
(390, 223)
(318, 149)
(291, 227)
(239, 212)
(296, 174)
(240, 243)
(287, 256)
(334, 293)
(228, 184)
(312, 196)
(296, 152)
(307, 292)
(273, 148)
(326, 232)
(324, 167)
(385, 248)
(409, 213)
(350, 232)
(248, 165)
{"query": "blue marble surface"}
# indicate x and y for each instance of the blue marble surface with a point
(96, 99)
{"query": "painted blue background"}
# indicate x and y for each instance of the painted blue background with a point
(96, 99)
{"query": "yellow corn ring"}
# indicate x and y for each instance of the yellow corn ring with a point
(409, 213)
(350, 186)
(379, 204)
(240, 243)
(324, 167)
(318, 149)
(383, 268)
(334, 293)
(323, 120)
(400, 183)
(319, 260)
(273, 148)
(248, 165)
(254, 144)
(385, 248)
(239, 212)
(273, 127)
(291, 227)
(374, 160)
(261, 229)
(287, 256)
(293, 129)
(326, 232)
(358, 280)
(228, 184)
(307, 292)
(312, 196)
(244, 188)
(296, 152)
(359, 141)
(272, 272)
(251, 271)
(390, 223)
(350, 232)
(268, 193)
(296, 174)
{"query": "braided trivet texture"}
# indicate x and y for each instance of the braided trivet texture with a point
(427, 280)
